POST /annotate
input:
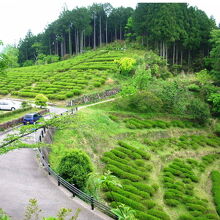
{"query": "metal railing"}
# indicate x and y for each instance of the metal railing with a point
(75, 191)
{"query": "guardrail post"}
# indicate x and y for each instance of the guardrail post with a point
(42, 133)
(40, 138)
(92, 202)
(44, 129)
(48, 169)
(73, 191)
(58, 180)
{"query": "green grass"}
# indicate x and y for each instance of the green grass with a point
(159, 168)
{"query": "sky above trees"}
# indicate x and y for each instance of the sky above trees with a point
(17, 17)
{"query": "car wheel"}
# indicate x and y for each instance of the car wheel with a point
(12, 108)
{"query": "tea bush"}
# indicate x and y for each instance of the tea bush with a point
(215, 176)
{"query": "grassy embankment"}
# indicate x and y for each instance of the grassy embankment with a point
(163, 161)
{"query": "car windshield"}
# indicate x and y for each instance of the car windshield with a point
(28, 116)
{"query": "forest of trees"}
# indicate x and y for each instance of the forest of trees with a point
(177, 32)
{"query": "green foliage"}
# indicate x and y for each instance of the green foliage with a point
(3, 215)
(203, 77)
(32, 210)
(214, 98)
(199, 111)
(217, 129)
(215, 176)
(142, 77)
(215, 53)
(124, 213)
(11, 53)
(126, 65)
(41, 100)
(3, 62)
(75, 167)
(193, 88)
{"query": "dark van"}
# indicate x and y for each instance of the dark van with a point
(31, 118)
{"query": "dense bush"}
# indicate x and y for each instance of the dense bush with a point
(199, 111)
(41, 100)
(144, 102)
(126, 65)
(75, 167)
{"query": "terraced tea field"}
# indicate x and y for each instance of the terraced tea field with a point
(62, 80)
(163, 164)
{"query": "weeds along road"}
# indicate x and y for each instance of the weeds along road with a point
(23, 178)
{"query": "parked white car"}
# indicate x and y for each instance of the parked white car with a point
(9, 105)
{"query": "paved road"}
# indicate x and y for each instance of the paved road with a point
(21, 178)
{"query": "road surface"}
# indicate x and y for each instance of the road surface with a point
(23, 178)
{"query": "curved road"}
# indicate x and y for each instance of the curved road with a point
(23, 178)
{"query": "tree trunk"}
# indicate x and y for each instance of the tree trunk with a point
(181, 58)
(174, 50)
(70, 43)
(100, 31)
(81, 41)
(115, 33)
(94, 33)
(189, 57)
(177, 54)
(64, 45)
(106, 31)
(61, 48)
(120, 33)
(166, 52)
(50, 50)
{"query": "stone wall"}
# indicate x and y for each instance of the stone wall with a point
(93, 97)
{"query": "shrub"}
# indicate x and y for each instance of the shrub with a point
(122, 174)
(185, 217)
(215, 176)
(172, 202)
(76, 92)
(41, 100)
(214, 98)
(134, 190)
(144, 187)
(149, 203)
(196, 207)
(199, 111)
(113, 196)
(75, 167)
(217, 129)
(193, 88)
(144, 216)
(126, 65)
(125, 193)
(145, 102)
(114, 118)
(158, 214)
